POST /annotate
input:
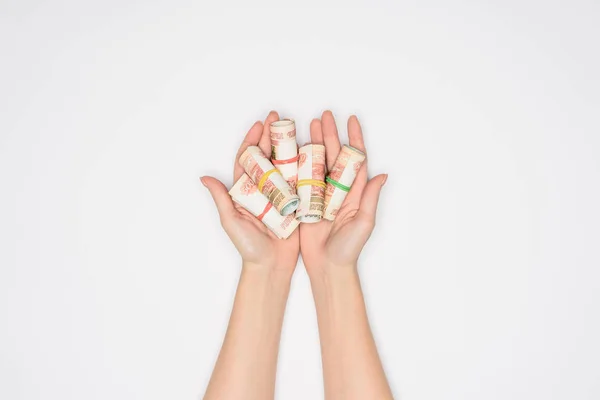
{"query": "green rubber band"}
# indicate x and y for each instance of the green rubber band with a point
(338, 185)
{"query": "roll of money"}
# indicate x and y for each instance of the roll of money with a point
(340, 179)
(311, 183)
(246, 193)
(284, 149)
(269, 180)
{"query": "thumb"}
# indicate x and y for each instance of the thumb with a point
(370, 198)
(220, 195)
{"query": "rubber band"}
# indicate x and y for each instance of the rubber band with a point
(265, 211)
(264, 178)
(288, 161)
(311, 182)
(338, 185)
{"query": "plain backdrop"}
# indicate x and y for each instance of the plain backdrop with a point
(482, 277)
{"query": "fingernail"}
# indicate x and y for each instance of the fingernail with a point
(384, 180)
(202, 181)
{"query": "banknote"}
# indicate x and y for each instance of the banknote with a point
(269, 180)
(340, 179)
(311, 183)
(245, 193)
(284, 149)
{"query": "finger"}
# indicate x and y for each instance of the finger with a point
(355, 138)
(355, 135)
(316, 131)
(221, 197)
(358, 186)
(251, 139)
(331, 139)
(368, 204)
(265, 140)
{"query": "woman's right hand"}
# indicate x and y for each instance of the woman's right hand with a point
(258, 246)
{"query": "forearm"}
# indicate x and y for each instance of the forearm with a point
(247, 362)
(351, 364)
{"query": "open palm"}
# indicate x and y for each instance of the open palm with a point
(338, 243)
(256, 244)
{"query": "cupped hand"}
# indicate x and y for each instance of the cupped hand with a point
(338, 244)
(258, 246)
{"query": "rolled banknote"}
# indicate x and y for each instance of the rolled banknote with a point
(269, 180)
(340, 179)
(311, 183)
(245, 193)
(284, 149)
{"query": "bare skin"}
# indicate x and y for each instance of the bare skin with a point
(247, 363)
(258, 246)
(330, 250)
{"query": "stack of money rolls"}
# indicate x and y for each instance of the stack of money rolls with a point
(293, 186)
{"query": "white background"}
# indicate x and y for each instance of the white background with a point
(483, 275)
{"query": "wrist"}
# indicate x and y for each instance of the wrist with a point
(329, 273)
(267, 273)
(335, 289)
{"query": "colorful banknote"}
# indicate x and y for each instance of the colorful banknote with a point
(246, 193)
(340, 179)
(269, 180)
(311, 183)
(284, 149)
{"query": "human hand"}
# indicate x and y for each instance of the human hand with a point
(258, 246)
(338, 244)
